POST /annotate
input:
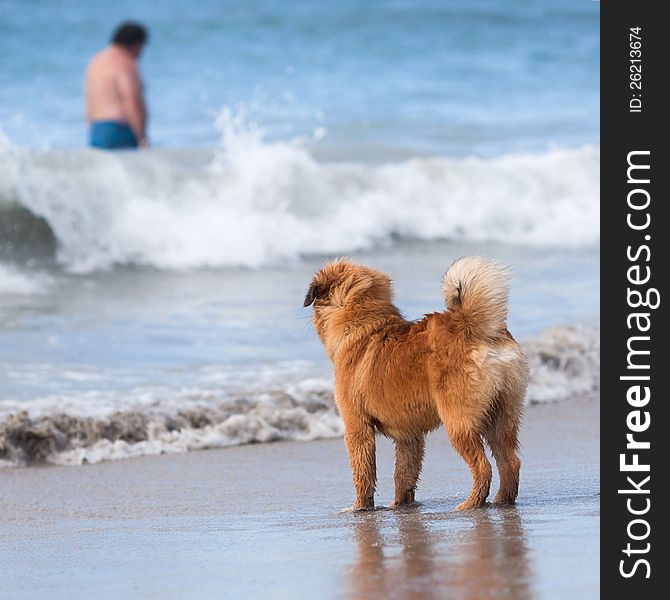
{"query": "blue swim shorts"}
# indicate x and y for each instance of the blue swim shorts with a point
(112, 135)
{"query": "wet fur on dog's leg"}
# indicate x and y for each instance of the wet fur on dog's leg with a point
(502, 438)
(408, 463)
(359, 437)
(509, 466)
(469, 445)
(465, 413)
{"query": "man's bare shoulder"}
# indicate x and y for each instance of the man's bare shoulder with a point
(112, 62)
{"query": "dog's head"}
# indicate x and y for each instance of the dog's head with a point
(343, 292)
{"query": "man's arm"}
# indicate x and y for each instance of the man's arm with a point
(130, 88)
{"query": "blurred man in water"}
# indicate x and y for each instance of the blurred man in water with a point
(115, 107)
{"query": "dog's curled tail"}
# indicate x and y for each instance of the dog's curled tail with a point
(476, 290)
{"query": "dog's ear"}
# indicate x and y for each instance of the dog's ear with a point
(312, 294)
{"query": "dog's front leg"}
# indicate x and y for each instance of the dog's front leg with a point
(360, 440)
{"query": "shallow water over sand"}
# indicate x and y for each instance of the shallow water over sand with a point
(130, 327)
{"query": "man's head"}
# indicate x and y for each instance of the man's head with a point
(131, 37)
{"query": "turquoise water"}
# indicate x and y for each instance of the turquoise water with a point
(379, 78)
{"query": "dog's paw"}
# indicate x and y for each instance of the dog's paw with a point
(404, 498)
(470, 504)
(504, 502)
(504, 499)
(361, 506)
(403, 504)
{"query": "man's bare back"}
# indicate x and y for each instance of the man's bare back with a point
(114, 93)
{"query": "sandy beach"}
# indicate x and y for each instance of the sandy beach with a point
(267, 521)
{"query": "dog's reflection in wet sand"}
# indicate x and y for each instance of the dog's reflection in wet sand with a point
(418, 555)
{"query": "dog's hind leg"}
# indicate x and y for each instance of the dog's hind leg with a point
(468, 444)
(502, 437)
(408, 462)
(464, 419)
(359, 438)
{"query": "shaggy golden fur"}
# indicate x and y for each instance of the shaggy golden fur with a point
(460, 367)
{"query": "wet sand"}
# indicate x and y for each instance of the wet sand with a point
(265, 521)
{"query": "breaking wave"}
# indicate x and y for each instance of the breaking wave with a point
(254, 203)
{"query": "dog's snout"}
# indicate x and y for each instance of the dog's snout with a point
(312, 295)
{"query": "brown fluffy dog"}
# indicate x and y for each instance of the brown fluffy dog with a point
(460, 367)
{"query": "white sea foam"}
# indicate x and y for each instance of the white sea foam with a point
(20, 282)
(93, 427)
(254, 203)
(564, 362)
(96, 426)
(254, 427)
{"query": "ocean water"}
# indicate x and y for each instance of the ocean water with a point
(378, 78)
(152, 302)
